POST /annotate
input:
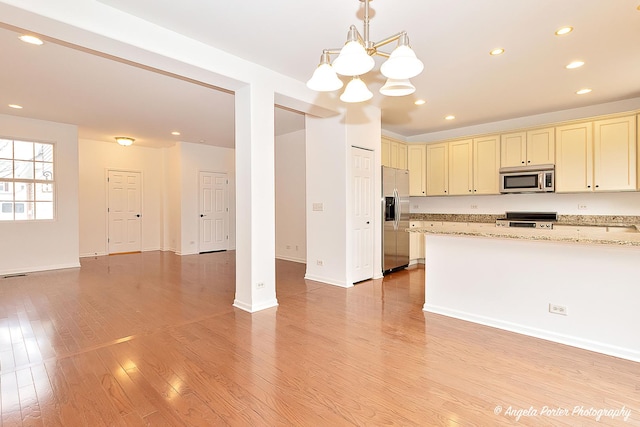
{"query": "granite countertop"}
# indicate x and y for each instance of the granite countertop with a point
(586, 229)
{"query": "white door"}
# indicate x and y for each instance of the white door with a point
(363, 203)
(124, 211)
(214, 212)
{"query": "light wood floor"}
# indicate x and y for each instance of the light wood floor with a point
(152, 339)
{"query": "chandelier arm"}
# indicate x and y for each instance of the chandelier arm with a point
(366, 25)
(389, 39)
(380, 53)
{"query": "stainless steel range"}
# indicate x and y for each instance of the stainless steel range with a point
(539, 220)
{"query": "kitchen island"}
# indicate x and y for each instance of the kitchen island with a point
(588, 275)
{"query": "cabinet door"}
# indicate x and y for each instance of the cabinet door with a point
(614, 157)
(513, 149)
(385, 152)
(486, 165)
(416, 245)
(460, 167)
(437, 169)
(417, 169)
(541, 146)
(401, 154)
(574, 157)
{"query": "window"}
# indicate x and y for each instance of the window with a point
(27, 185)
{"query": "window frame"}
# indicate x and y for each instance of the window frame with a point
(50, 185)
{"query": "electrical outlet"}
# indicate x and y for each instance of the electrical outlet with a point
(557, 309)
(288, 246)
(320, 262)
(318, 207)
(297, 248)
(260, 285)
(582, 207)
(415, 206)
(474, 206)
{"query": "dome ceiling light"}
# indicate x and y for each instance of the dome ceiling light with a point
(356, 58)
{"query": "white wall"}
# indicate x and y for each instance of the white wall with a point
(96, 157)
(509, 284)
(290, 169)
(193, 159)
(171, 200)
(625, 203)
(45, 245)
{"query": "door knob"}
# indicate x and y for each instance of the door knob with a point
(201, 215)
(367, 222)
(138, 215)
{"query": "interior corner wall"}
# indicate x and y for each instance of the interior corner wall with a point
(290, 167)
(45, 245)
(326, 187)
(195, 158)
(171, 199)
(96, 158)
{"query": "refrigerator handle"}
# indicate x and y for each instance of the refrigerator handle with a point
(397, 212)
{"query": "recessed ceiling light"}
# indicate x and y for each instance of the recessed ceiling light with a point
(31, 39)
(575, 64)
(583, 91)
(420, 102)
(175, 133)
(450, 117)
(497, 51)
(564, 30)
(16, 106)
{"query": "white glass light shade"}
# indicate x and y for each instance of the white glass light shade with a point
(124, 140)
(395, 87)
(353, 60)
(324, 79)
(356, 91)
(402, 64)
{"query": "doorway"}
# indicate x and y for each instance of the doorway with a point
(362, 213)
(214, 212)
(124, 211)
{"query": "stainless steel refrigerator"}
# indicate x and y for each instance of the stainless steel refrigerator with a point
(395, 217)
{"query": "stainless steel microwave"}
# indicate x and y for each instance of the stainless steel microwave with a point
(527, 179)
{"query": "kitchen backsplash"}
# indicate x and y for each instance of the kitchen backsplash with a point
(619, 203)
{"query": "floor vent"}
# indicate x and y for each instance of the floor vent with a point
(9, 276)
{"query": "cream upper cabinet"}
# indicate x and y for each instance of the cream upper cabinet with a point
(513, 151)
(417, 162)
(614, 154)
(486, 165)
(399, 150)
(385, 152)
(574, 157)
(437, 169)
(534, 147)
(460, 167)
(541, 146)
(393, 153)
(597, 156)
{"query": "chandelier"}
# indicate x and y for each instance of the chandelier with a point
(355, 59)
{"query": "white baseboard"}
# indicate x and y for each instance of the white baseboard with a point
(328, 281)
(598, 347)
(252, 308)
(89, 255)
(286, 258)
(36, 268)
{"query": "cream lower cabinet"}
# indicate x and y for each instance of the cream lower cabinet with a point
(597, 156)
(437, 169)
(417, 162)
(416, 242)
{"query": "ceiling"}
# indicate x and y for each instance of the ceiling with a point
(453, 38)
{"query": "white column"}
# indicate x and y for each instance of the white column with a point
(255, 199)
